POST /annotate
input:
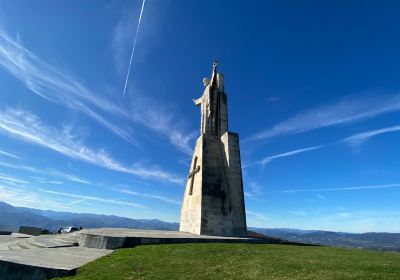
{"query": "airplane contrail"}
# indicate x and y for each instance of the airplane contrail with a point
(133, 48)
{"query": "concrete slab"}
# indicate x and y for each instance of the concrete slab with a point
(152, 233)
(113, 238)
(23, 241)
(58, 258)
(43, 257)
(45, 263)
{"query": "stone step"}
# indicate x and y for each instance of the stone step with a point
(41, 242)
(54, 243)
(13, 246)
(23, 246)
(73, 240)
(34, 244)
(65, 241)
(69, 238)
(20, 245)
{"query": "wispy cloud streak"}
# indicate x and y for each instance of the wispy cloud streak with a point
(347, 110)
(27, 127)
(54, 173)
(360, 138)
(47, 172)
(4, 177)
(19, 196)
(257, 215)
(62, 88)
(54, 85)
(95, 198)
(20, 167)
(268, 159)
(159, 119)
(387, 186)
(9, 155)
(256, 189)
(157, 197)
(134, 47)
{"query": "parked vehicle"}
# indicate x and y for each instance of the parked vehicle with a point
(70, 229)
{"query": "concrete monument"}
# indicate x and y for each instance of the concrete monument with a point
(213, 203)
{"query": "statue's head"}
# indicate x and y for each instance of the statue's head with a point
(206, 82)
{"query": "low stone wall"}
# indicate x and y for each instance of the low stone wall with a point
(101, 242)
(30, 230)
(120, 239)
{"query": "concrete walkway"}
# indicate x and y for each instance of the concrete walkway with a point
(44, 256)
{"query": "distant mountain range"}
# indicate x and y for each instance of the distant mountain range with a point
(11, 218)
(382, 241)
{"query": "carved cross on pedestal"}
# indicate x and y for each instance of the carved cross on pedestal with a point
(191, 174)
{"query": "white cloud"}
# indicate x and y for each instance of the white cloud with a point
(20, 167)
(67, 176)
(10, 155)
(56, 86)
(18, 196)
(347, 110)
(54, 173)
(95, 198)
(62, 88)
(257, 219)
(387, 186)
(156, 117)
(256, 189)
(8, 178)
(360, 138)
(257, 215)
(42, 180)
(157, 197)
(78, 201)
(56, 182)
(27, 127)
(247, 194)
(49, 172)
(268, 159)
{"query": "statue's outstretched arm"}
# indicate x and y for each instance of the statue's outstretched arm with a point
(214, 75)
(197, 102)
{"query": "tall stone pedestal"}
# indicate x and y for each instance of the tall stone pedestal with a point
(213, 202)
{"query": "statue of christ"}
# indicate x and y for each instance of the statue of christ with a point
(208, 102)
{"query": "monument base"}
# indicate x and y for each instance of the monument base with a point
(114, 238)
(213, 202)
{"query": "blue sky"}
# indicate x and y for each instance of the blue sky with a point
(313, 91)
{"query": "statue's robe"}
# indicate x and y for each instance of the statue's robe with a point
(208, 102)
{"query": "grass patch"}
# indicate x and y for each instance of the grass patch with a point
(241, 261)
